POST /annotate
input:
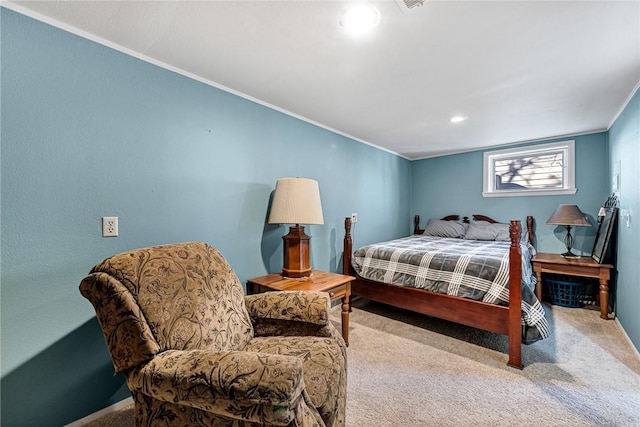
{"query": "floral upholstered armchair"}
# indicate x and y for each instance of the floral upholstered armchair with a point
(196, 352)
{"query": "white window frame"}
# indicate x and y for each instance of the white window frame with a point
(568, 175)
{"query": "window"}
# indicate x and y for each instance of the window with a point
(538, 170)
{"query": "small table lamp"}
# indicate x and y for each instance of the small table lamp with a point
(568, 215)
(296, 201)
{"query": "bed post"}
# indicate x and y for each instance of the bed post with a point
(416, 225)
(347, 245)
(515, 295)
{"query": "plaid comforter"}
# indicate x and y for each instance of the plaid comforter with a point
(472, 269)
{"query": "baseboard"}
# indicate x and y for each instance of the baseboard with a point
(627, 336)
(102, 412)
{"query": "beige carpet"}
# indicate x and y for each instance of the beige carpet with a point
(411, 370)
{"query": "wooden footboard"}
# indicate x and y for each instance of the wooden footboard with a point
(494, 318)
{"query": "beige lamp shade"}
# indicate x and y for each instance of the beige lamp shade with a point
(296, 201)
(568, 215)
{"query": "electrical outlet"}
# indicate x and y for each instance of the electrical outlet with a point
(109, 226)
(354, 218)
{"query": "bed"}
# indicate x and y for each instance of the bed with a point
(437, 279)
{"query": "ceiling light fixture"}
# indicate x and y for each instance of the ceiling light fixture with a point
(457, 119)
(360, 19)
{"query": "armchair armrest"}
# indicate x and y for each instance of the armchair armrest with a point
(256, 387)
(290, 313)
(300, 306)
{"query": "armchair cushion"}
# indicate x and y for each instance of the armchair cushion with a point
(231, 384)
(186, 295)
(324, 369)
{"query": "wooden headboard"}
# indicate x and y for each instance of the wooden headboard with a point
(476, 217)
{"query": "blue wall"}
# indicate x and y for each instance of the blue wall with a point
(453, 184)
(89, 132)
(624, 142)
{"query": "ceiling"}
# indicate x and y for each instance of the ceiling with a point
(518, 70)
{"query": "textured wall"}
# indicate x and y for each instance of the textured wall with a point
(453, 184)
(624, 140)
(89, 132)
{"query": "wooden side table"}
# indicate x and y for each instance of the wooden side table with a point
(577, 266)
(337, 285)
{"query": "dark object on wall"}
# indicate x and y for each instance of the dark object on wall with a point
(607, 220)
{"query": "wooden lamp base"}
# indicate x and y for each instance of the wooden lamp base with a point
(296, 253)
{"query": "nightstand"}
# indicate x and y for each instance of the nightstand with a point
(581, 266)
(337, 285)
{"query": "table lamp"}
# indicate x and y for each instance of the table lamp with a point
(296, 201)
(568, 215)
